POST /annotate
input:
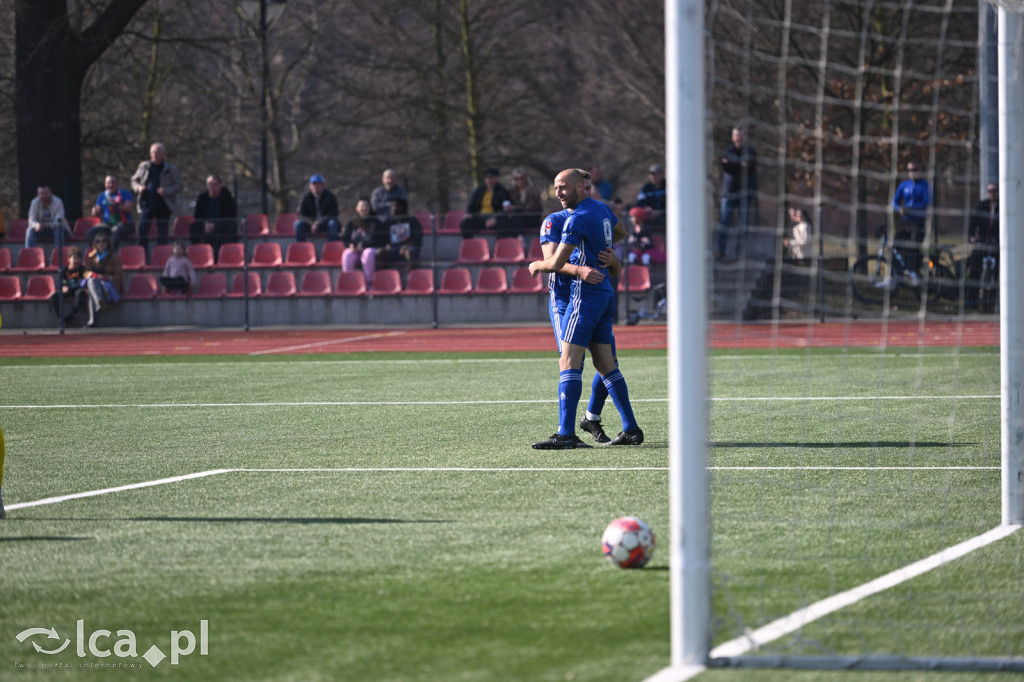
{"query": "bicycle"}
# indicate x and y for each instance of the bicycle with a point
(988, 284)
(874, 277)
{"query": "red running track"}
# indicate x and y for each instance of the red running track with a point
(540, 338)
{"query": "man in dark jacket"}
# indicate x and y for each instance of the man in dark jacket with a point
(739, 191)
(486, 207)
(318, 212)
(215, 218)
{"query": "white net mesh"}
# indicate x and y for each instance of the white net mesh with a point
(845, 452)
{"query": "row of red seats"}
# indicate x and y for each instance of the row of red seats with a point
(255, 224)
(282, 284)
(507, 251)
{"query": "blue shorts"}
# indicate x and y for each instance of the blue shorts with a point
(589, 319)
(556, 311)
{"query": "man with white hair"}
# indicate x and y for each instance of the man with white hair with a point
(157, 184)
(388, 191)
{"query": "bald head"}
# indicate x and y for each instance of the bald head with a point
(569, 187)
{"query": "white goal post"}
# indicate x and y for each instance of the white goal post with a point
(689, 184)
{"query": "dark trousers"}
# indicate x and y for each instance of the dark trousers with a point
(161, 214)
(73, 303)
(908, 241)
(224, 231)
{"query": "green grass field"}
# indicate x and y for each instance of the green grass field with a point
(382, 516)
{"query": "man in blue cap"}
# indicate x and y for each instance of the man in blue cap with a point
(318, 212)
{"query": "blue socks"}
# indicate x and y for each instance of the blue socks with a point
(570, 388)
(615, 383)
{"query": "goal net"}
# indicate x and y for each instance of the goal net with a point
(863, 504)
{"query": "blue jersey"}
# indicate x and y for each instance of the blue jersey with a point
(551, 233)
(589, 229)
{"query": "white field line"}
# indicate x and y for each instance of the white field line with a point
(117, 489)
(396, 403)
(796, 620)
(330, 342)
(357, 470)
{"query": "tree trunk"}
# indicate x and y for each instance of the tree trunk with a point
(51, 60)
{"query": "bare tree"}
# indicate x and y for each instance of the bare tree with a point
(52, 57)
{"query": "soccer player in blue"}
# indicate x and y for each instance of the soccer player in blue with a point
(587, 322)
(560, 283)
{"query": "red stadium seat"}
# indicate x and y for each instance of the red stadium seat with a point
(509, 251)
(266, 255)
(281, 285)
(636, 277)
(58, 258)
(16, 230)
(180, 229)
(83, 225)
(426, 219)
(157, 261)
(452, 220)
(351, 284)
(212, 285)
(474, 251)
(142, 287)
(201, 256)
(385, 283)
(525, 283)
(133, 257)
(535, 252)
(39, 288)
(316, 283)
(30, 259)
(10, 288)
(238, 284)
(256, 225)
(331, 256)
(421, 282)
(5, 259)
(456, 281)
(284, 224)
(491, 281)
(230, 256)
(300, 255)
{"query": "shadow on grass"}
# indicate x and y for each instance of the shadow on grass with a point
(853, 444)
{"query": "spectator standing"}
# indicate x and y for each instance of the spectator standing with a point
(157, 184)
(318, 212)
(486, 206)
(45, 217)
(114, 207)
(524, 211)
(910, 203)
(739, 192)
(72, 286)
(603, 187)
(983, 234)
(179, 275)
(652, 196)
(405, 234)
(797, 243)
(362, 237)
(215, 219)
(103, 276)
(388, 191)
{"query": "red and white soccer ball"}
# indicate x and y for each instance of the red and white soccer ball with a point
(628, 542)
